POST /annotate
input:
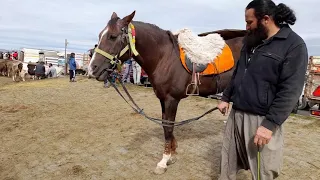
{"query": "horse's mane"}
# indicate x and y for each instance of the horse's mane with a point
(153, 26)
(173, 38)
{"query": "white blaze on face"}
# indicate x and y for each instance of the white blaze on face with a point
(94, 53)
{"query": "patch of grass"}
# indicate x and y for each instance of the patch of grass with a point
(37, 84)
(313, 125)
(303, 117)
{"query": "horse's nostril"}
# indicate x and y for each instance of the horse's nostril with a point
(94, 67)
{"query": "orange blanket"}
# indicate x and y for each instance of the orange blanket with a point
(222, 63)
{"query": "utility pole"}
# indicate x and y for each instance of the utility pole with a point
(65, 55)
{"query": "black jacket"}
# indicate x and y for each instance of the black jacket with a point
(270, 83)
(40, 69)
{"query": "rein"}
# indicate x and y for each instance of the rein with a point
(138, 110)
(114, 60)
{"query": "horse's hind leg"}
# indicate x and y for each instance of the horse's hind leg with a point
(169, 110)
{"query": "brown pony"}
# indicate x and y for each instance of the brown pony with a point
(159, 56)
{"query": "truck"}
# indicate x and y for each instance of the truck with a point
(310, 98)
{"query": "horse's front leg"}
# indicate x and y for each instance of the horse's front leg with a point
(14, 77)
(23, 77)
(169, 110)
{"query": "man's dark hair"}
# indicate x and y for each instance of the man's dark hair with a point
(96, 45)
(280, 13)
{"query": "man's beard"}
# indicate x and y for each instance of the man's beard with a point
(256, 37)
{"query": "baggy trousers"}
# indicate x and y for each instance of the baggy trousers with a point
(239, 151)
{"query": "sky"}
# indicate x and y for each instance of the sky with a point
(46, 24)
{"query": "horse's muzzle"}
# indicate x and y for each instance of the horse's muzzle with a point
(90, 72)
(102, 76)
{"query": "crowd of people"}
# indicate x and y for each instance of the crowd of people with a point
(130, 71)
(9, 55)
(41, 72)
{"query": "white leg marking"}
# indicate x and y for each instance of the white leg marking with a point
(164, 160)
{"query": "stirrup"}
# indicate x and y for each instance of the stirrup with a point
(194, 89)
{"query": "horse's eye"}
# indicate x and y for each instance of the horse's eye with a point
(113, 37)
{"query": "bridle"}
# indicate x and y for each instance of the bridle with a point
(130, 34)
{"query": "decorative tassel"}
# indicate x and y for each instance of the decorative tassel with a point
(133, 32)
(132, 38)
(131, 26)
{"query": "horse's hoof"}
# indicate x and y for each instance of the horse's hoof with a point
(160, 170)
(172, 160)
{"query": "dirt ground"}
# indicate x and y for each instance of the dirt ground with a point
(54, 129)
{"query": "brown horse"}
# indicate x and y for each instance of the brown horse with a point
(159, 56)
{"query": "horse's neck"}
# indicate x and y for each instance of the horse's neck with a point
(151, 43)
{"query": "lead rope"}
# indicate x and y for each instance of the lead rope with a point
(258, 157)
(138, 110)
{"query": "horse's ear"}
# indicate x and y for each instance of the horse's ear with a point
(129, 18)
(114, 15)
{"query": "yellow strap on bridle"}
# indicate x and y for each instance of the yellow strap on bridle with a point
(131, 46)
(124, 50)
(105, 54)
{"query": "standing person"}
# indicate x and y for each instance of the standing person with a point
(15, 55)
(264, 88)
(9, 56)
(136, 72)
(106, 83)
(72, 67)
(126, 72)
(92, 51)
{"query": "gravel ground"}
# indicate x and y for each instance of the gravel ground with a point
(54, 129)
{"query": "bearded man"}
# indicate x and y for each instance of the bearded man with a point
(264, 88)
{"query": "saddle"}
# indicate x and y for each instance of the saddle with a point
(194, 67)
(221, 63)
(208, 55)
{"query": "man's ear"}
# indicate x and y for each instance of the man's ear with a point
(129, 18)
(266, 19)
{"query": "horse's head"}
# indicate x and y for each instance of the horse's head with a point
(112, 48)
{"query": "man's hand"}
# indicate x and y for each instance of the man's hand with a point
(263, 136)
(223, 107)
